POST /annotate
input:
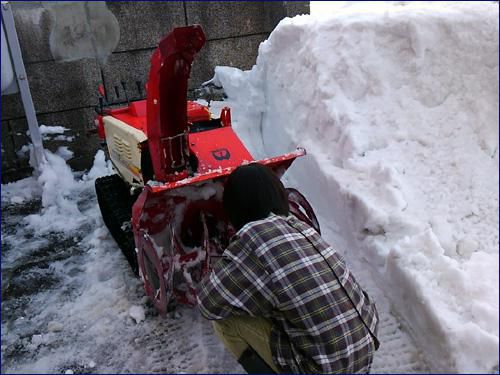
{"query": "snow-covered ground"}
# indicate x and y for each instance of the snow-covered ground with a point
(70, 302)
(72, 305)
(398, 110)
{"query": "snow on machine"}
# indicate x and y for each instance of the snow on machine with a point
(164, 205)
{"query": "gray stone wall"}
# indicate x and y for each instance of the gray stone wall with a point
(69, 48)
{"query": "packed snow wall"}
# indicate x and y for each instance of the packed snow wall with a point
(397, 107)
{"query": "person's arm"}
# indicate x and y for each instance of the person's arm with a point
(237, 285)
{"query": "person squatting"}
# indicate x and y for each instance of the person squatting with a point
(281, 299)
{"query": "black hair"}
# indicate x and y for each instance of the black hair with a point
(251, 193)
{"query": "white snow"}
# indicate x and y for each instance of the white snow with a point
(20, 191)
(44, 129)
(397, 106)
(96, 318)
(64, 152)
(54, 326)
(53, 133)
(60, 212)
(64, 138)
(36, 340)
(137, 313)
(23, 152)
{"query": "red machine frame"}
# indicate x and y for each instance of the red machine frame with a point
(178, 221)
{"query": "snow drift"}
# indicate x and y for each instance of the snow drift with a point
(398, 110)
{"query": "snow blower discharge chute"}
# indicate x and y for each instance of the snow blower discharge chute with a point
(164, 206)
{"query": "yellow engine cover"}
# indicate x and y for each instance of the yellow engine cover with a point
(124, 149)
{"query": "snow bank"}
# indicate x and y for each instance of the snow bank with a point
(398, 109)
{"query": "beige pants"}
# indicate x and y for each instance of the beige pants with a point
(239, 332)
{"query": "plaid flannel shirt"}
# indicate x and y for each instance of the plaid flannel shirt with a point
(281, 269)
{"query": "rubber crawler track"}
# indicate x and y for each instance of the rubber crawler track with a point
(115, 202)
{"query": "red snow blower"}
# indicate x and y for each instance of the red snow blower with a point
(164, 207)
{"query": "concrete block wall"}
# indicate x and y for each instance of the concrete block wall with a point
(71, 47)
